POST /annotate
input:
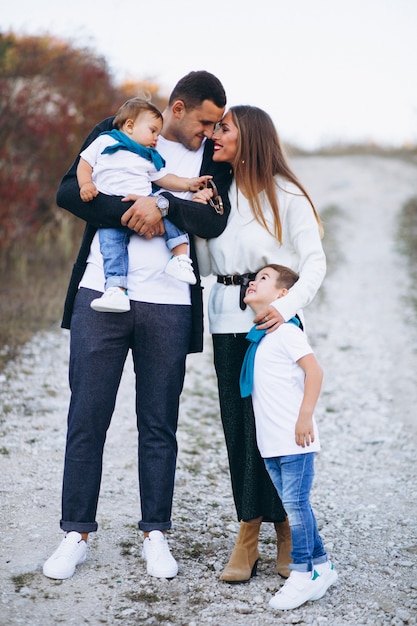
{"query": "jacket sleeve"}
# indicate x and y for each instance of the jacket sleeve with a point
(106, 211)
(102, 212)
(305, 238)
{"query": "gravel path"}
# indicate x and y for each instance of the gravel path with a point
(365, 335)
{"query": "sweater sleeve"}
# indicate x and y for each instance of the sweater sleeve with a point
(305, 238)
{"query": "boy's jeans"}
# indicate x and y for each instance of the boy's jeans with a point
(113, 247)
(293, 476)
(173, 235)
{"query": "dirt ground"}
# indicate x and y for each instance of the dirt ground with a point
(363, 328)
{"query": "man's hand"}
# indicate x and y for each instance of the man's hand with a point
(143, 217)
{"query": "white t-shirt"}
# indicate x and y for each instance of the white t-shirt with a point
(120, 172)
(147, 280)
(278, 388)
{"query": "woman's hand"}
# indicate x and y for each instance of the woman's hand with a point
(270, 319)
(202, 195)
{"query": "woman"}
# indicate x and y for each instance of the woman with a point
(272, 220)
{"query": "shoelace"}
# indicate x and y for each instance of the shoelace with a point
(67, 549)
(160, 548)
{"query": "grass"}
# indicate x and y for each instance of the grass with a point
(23, 580)
(142, 596)
(407, 243)
(35, 274)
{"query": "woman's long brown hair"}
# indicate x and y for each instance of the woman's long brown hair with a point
(260, 157)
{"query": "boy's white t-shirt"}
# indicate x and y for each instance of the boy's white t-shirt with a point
(147, 280)
(278, 388)
(120, 172)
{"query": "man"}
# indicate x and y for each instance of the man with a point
(163, 325)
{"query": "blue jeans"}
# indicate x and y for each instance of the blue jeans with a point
(159, 337)
(173, 235)
(113, 247)
(293, 476)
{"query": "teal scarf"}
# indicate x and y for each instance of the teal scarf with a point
(254, 336)
(125, 143)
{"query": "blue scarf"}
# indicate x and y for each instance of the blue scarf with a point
(125, 143)
(254, 336)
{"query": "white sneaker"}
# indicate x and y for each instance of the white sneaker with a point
(71, 552)
(181, 267)
(327, 577)
(113, 300)
(159, 560)
(296, 590)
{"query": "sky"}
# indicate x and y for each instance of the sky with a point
(327, 71)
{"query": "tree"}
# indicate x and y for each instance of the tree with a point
(51, 94)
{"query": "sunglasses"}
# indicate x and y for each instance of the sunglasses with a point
(216, 200)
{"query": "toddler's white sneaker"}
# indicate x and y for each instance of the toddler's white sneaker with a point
(113, 300)
(181, 267)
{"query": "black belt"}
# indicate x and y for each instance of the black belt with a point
(241, 280)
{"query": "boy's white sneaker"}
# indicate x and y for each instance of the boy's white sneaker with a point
(71, 552)
(113, 300)
(327, 577)
(181, 267)
(159, 560)
(296, 590)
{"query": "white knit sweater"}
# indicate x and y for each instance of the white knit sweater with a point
(245, 246)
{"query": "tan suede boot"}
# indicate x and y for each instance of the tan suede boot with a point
(284, 547)
(243, 561)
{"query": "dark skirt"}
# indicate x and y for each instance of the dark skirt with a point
(253, 491)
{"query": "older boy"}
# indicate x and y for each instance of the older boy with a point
(286, 379)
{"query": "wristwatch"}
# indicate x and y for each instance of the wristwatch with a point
(163, 205)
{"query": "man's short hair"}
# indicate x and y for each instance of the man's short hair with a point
(196, 87)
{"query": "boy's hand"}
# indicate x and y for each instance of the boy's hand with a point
(304, 431)
(199, 182)
(88, 192)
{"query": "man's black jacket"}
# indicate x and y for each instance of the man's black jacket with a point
(106, 212)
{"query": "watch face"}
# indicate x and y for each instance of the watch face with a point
(162, 202)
